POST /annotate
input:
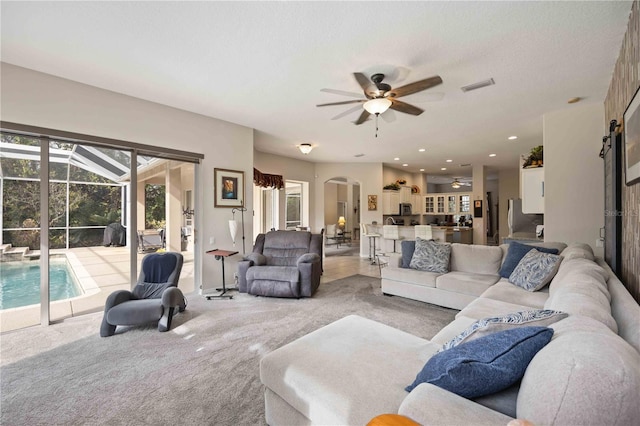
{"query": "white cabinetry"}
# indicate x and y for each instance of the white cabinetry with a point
(391, 202)
(429, 204)
(532, 190)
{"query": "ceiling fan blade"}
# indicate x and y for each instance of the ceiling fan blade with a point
(362, 80)
(405, 107)
(347, 112)
(416, 86)
(359, 101)
(342, 92)
(363, 117)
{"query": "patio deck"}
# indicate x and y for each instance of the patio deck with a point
(100, 271)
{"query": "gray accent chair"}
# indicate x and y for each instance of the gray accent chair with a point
(154, 298)
(282, 264)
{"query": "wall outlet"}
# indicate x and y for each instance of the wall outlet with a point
(212, 240)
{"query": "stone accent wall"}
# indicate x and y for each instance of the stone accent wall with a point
(624, 83)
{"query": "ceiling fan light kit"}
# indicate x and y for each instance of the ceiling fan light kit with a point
(377, 106)
(305, 148)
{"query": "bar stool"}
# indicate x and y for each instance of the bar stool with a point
(391, 232)
(423, 231)
(365, 231)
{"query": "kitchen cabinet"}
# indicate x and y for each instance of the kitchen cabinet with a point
(429, 204)
(416, 204)
(451, 206)
(405, 194)
(464, 204)
(440, 203)
(532, 190)
(391, 202)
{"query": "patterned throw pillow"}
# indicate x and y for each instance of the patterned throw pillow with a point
(515, 253)
(430, 256)
(538, 317)
(535, 270)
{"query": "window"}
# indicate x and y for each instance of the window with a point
(293, 215)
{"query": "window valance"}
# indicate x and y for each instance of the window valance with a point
(265, 180)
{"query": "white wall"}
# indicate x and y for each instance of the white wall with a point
(573, 174)
(37, 99)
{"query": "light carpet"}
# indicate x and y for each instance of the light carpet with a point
(204, 371)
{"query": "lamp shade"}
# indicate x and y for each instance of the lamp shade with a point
(341, 222)
(377, 106)
(233, 230)
(305, 148)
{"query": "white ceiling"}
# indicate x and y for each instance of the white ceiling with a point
(262, 65)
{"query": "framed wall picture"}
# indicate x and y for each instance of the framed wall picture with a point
(632, 140)
(372, 202)
(228, 187)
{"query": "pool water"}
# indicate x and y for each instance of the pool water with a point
(20, 283)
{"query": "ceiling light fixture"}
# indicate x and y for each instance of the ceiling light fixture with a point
(422, 170)
(397, 158)
(405, 165)
(377, 106)
(449, 161)
(455, 184)
(422, 150)
(443, 168)
(492, 155)
(511, 138)
(305, 148)
(574, 100)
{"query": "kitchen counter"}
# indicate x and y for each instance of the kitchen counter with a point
(451, 234)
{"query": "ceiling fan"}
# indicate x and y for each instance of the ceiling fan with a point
(380, 96)
(458, 182)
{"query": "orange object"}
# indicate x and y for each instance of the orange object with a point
(392, 420)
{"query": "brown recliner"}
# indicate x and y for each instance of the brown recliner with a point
(282, 264)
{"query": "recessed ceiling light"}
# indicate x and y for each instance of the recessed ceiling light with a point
(397, 159)
(405, 165)
(422, 150)
(422, 170)
(492, 155)
(449, 161)
(443, 168)
(512, 138)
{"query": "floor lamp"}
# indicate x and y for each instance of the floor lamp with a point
(233, 226)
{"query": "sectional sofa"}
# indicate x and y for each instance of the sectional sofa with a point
(354, 369)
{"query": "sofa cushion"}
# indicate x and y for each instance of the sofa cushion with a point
(582, 378)
(475, 259)
(407, 248)
(485, 326)
(578, 251)
(410, 276)
(515, 253)
(485, 308)
(504, 291)
(572, 270)
(535, 270)
(486, 365)
(431, 256)
(466, 283)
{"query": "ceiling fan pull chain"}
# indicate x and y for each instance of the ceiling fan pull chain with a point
(377, 125)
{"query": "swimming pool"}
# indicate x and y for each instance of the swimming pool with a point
(20, 283)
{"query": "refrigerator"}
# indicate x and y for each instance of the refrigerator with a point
(523, 225)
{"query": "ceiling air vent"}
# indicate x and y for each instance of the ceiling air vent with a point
(465, 165)
(478, 85)
(359, 155)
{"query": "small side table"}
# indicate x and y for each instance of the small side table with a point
(220, 255)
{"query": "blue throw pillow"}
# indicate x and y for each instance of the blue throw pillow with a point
(407, 249)
(515, 253)
(485, 365)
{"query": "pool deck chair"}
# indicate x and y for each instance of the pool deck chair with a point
(154, 298)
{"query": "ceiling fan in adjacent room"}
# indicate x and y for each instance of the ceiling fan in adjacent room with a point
(379, 96)
(459, 182)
